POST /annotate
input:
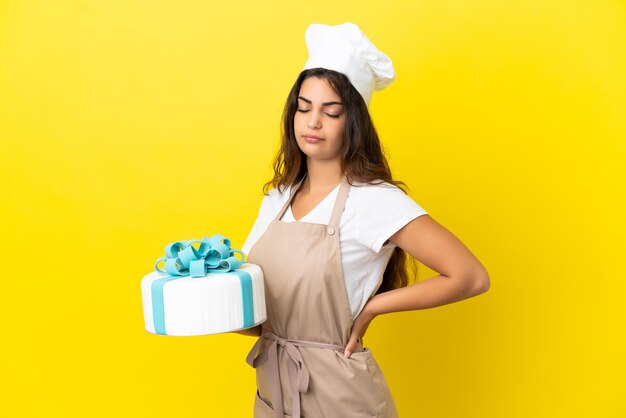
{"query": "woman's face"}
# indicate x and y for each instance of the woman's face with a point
(321, 114)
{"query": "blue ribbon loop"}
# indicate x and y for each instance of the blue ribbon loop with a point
(213, 255)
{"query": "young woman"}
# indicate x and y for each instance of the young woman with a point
(331, 238)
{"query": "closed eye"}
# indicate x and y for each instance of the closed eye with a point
(332, 116)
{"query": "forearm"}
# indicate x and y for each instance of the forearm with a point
(429, 293)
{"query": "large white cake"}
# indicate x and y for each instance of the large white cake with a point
(213, 304)
(209, 301)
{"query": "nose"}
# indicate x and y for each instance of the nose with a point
(314, 119)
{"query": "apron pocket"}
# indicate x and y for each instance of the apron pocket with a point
(262, 409)
(359, 388)
(376, 378)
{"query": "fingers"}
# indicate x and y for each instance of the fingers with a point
(351, 344)
(354, 335)
(349, 348)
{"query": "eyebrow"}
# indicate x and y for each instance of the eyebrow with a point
(323, 104)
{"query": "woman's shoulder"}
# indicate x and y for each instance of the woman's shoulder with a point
(276, 197)
(375, 190)
(382, 196)
(375, 184)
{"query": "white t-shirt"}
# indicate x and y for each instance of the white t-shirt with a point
(372, 214)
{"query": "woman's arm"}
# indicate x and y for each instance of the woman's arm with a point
(461, 274)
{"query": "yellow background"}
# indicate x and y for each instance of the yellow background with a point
(126, 125)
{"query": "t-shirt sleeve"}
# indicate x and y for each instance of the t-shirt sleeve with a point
(383, 211)
(270, 205)
(260, 224)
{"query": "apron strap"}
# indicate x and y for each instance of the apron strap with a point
(291, 195)
(298, 371)
(340, 203)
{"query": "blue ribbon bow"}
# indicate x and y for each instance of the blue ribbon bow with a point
(214, 255)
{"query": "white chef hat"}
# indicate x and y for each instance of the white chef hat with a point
(346, 49)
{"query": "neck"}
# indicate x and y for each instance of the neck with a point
(322, 175)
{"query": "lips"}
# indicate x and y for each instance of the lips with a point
(312, 138)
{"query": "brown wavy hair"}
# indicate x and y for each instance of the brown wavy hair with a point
(363, 158)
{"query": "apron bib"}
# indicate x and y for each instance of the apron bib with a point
(301, 370)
